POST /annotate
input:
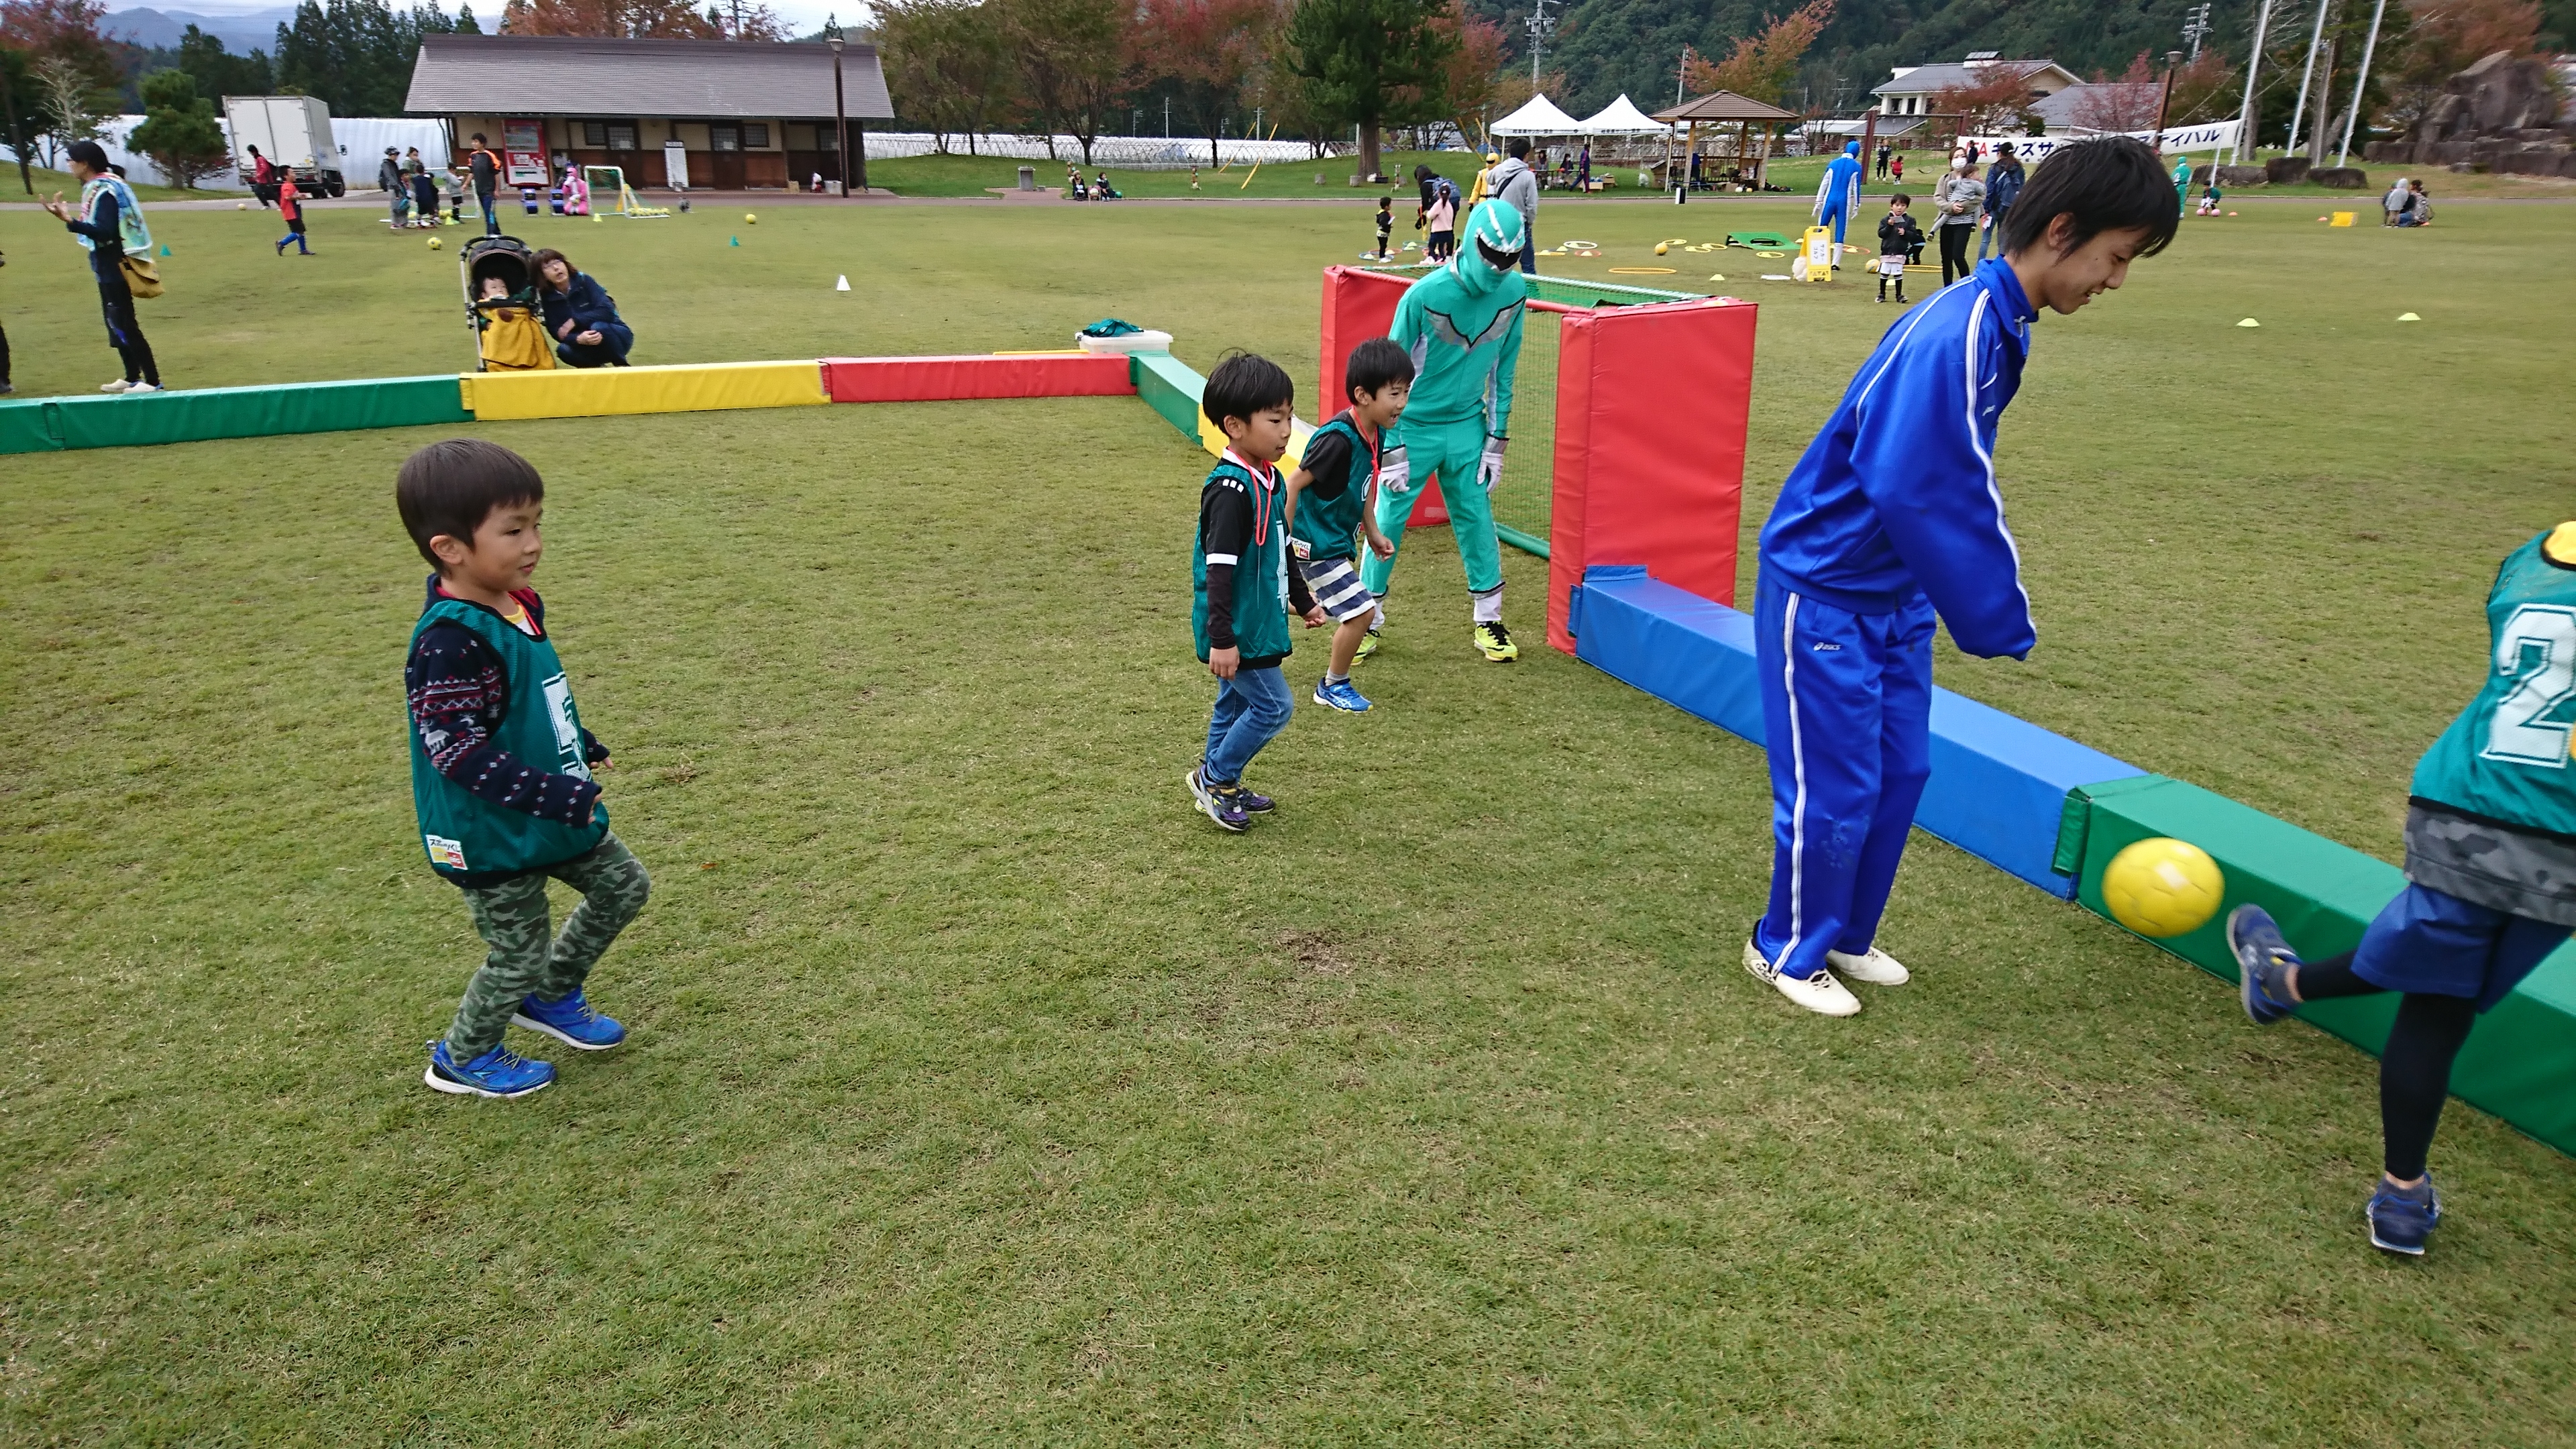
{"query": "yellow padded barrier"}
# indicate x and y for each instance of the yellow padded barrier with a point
(600, 391)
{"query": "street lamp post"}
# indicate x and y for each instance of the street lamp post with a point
(841, 113)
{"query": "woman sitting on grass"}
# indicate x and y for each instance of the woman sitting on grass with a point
(581, 315)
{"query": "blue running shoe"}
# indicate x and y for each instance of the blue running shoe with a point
(572, 1021)
(499, 1072)
(2263, 962)
(1251, 802)
(1338, 694)
(1216, 805)
(2401, 1218)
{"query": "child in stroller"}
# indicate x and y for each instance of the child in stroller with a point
(501, 304)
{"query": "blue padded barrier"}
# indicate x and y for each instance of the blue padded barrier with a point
(1999, 784)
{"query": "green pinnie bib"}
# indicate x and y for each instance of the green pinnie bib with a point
(1330, 527)
(462, 834)
(2507, 756)
(1260, 577)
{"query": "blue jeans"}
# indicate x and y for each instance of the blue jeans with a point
(1993, 233)
(1529, 256)
(1251, 709)
(491, 221)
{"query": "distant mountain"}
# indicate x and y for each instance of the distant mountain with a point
(161, 29)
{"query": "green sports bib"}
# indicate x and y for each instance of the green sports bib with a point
(462, 834)
(2507, 756)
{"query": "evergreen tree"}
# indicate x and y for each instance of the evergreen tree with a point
(1372, 63)
(218, 73)
(179, 131)
(355, 54)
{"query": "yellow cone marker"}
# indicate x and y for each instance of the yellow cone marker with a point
(2249, 322)
(2408, 317)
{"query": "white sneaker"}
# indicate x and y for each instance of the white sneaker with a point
(1820, 993)
(142, 387)
(119, 385)
(1877, 968)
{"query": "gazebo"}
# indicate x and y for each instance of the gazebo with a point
(1730, 118)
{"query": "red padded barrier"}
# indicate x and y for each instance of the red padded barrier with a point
(1650, 425)
(948, 379)
(1359, 305)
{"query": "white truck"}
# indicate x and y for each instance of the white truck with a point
(294, 132)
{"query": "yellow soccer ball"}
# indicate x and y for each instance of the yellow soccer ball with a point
(1662, 247)
(241, 206)
(2163, 887)
(433, 244)
(750, 220)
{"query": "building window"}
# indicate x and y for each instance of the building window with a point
(826, 139)
(609, 135)
(724, 138)
(755, 134)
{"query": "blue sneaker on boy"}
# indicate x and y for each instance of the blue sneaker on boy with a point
(2401, 1218)
(499, 1072)
(2263, 962)
(1338, 694)
(1219, 806)
(572, 1021)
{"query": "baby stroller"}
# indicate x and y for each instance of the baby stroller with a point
(508, 335)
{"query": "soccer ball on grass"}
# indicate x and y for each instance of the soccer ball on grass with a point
(2163, 887)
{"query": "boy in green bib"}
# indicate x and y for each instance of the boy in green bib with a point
(1243, 590)
(1331, 501)
(501, 771)
(2491, 880)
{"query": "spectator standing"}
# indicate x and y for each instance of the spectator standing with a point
(581, 315)
(1884, 151)
(5, 388)
(2003, 183)
(1958, 204)
(1513, 182)
(486, 169)
(111, 225)
(1583, 169)
(389, 178)
(424, 188)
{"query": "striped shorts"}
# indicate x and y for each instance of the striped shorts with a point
(1336, 585)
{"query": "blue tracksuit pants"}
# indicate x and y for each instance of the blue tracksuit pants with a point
(1847, 718)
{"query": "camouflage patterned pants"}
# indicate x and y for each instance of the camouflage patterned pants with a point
(513, 920)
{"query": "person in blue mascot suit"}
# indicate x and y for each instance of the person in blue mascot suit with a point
(1838, 195)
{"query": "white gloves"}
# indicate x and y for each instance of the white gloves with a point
(1394, 471)
(1489, 470)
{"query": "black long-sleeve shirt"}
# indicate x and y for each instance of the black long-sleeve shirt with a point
(1898, 234)
(459, 695)
(107, 256)
(1225, 528)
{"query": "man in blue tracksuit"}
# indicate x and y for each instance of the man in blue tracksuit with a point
(1838, 195)
(1892, 517)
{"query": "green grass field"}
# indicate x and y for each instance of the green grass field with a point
(981, 1092)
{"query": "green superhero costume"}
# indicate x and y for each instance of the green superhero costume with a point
(1462, 324)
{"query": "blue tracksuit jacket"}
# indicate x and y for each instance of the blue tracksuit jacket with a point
(1897, 495)
(1891, 515)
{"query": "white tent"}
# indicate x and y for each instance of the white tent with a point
(1539, 118)
(1622, 118)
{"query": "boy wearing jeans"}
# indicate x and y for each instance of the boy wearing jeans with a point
(1243, 588)
(501, 771)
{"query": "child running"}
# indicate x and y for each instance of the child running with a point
(1891, 516)
(2491, 882)
(290, 204)
(501, 770)
(1332, 498)
(1898, 239)
(1244, 590)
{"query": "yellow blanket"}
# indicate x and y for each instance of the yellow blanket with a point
(516, 342)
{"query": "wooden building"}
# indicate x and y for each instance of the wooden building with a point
(740, 115)
(1737, 152)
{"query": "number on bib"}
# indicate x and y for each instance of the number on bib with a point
(2538, 648)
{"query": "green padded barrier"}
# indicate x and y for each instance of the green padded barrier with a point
(199, 414)
(2520, 1063)
(28, 427)
(1169, 387)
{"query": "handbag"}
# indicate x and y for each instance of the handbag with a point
(141, 277)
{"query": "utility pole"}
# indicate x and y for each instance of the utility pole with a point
(2245, 137)
(2361, 83)
(1539, 25)
(2164, 102)
(2195, 28)
(2308, 77)
(1681, 76)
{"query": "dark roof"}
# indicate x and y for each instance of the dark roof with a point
(1947, 75)
(551, 75)
(1724, 106)
(2059, 111)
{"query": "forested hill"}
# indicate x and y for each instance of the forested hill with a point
(1604, 47)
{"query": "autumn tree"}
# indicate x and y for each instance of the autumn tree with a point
(1371, 63)
(1471, 80)
(947, 65)
(1999, 99)
(1763, 65)
(1206, 53)
(2206, 89)
(2113, 106)
(1071, 57)
(642, 20)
